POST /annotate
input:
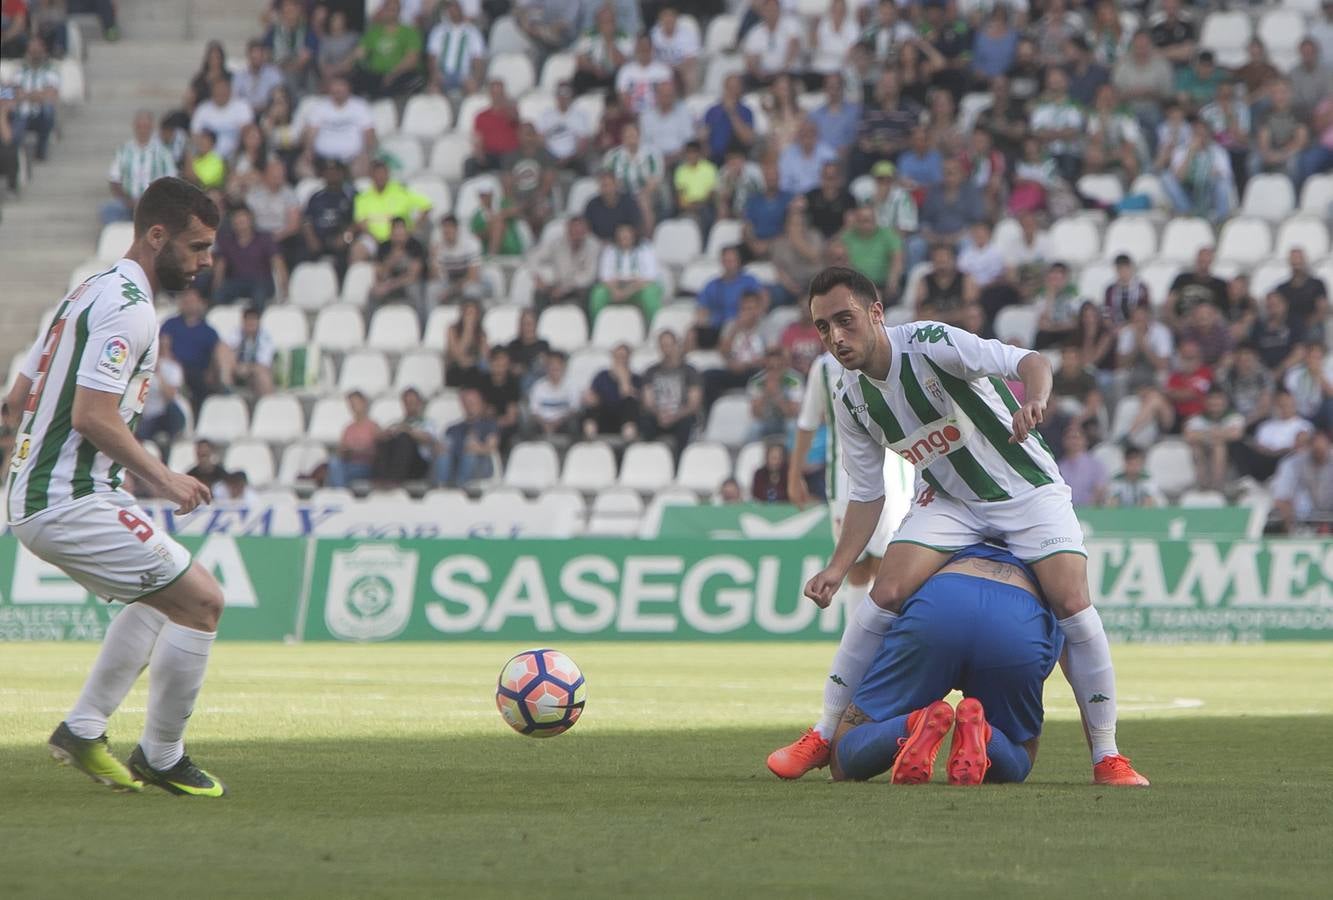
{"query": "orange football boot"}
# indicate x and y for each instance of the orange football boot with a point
(926, 729)
(794, 760)
(968, 761)
(1116, 770)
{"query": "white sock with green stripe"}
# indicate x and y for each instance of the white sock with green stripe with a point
(175, 677)
(861, 638)
(1092, 677)
(125, 651)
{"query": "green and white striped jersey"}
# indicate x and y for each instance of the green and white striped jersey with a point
(103, 337)
(946, 409)
(817, 409)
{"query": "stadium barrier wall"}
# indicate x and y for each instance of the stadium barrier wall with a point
(528, 591)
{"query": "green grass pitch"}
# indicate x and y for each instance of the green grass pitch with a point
(385, 771)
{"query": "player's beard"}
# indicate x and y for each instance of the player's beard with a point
(171, 275)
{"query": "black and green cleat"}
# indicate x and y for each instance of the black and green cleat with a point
(184, 779)
(92, 757)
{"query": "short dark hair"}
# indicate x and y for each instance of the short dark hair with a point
(499, 350)
(449, 219)
(172, 202)
(862, 288)
(1132, 452)
(1122, 259)
(251, 311)
(557, 354)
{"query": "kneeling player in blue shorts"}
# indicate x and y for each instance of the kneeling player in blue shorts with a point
(977, 625)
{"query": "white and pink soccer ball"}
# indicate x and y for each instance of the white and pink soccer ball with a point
(541, 693)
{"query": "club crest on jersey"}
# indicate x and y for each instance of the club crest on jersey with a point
(931, 443)
(115, 353)
(934, 388)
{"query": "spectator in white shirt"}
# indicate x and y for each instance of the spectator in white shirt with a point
(637, 79)
(627, 273)
(553, 402)
(456, 54)
(456, 263)
(835, 35)
(668, 126)
(248, 359)
(772, 46)
(1199, 180)
(567, 131)
(1273, 439)
(223, 114)
(676, 43)
(1310, 383)
(1303, 485)
(277, 210)
(339, 126)
(255, 83)
(565, 267)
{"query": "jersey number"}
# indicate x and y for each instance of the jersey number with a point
(137, 526)
(44, 364)
(927, 497)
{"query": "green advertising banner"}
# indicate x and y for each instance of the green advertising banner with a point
(260, 577)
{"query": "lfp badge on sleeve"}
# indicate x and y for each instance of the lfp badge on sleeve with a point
(370, 592)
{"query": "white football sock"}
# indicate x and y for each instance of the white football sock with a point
(125, 651)
(1092, 677)
(175, 677)
(861, 638)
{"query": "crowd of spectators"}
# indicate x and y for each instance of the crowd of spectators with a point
(893, 137)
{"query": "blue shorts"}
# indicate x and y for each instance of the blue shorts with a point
(993, 641)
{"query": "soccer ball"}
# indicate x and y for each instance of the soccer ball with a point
(541, 693)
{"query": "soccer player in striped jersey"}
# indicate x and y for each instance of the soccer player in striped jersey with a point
(938, 397)
(855, 651)
(81, 390)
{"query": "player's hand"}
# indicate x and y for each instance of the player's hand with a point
(797, 490)
(822, 587)
(187, 493)
(1026, 419)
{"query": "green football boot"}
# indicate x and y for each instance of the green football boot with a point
(184, 779)
(92, 757)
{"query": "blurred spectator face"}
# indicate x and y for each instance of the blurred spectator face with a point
(496, 91)
(555, 368)
(775, 364)
(398, 233)
(731, 261)
(606, 185)
(1320, 445)
(36, 49)
(143, 127)
(1203, 134)
(220, 91)
(807, 134)
(1133, 464)
(564, 95)
(732, 88)
(1188, 356)
(1275, 307)
(1076, 444)
(1203, 260)
(942, 259)
(920, 141)
(666, 94)
(620, 356)
(334, 175)
(830, 178)
(629, 136)
(499, 365)
(864, 220)
(472, 403)
(337, 22)
(1206, 316)
(751, 309)
(836, 255)
(203, 453)
(454, 11)
(1124, 271)
(242, 223)
(1057, 278)
(833, 87)
(980, 234)
(888, 84)
(625, 236)
(292, 13)
(379, 175)
(952, 173)
(274, 174)
(1247, 361)
(255, 54)
(1057, 82)
(340, 90)
(250, 323)
(769, 168)
(1071, 359)
(1238, 288)
(670, 347)
(577, 230)
(1296, 259)
(887, 13)
(775, 457)
(1140, 47)
(388, 12)
(730, 492)
(1309, 51)
(643, 50)
(1314, 356)
(1281, 91)
(1105, 101)
(667, 19)
(769, 11)
(1215, 404)
(191, 304)
(1285, 405)
(527, 324)
(413, 405)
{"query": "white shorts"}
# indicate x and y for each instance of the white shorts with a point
(106, 543)
(896, 504)
(1036, 525)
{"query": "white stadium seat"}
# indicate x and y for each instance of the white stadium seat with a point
(339, 327)
(678, 318)
(366, 371)
(697, 274)
(448, 154)
(181, 457)
(729, 420)
(437, 327)
(254, 458)
(1171, 461)
(114, 240)
(721, 34)
(618, 325)
(719, 67)
(1308, 233)
(385, 411)
(515, 70)
(1151, 186)
(394, 328)
(1157, 277)
(308, 187)
(466, 114)
(1226, 34)
(385, 116)
(521, 287)
(277, 419)
(73, 88)
(313, 285)
(677, 241)
(580, 192)
(535, 104)
(403, 155)
(589, 466)
(328, 419)
(286, 325)
(1317, 195)
(591, 104)
(226, 320)
(434, 188)
(1017, 325)
(647, 467)
(1182, 239)
(1105, 189)
(357, 281)
(1111, 455)
(426, 116)
(468, 199)
(557, 68)
(1281, 30)
(222, 419)
(1134, 236)
(1194, 499)
(1268, 275)
(615, 513)
(1093, 280)
(703, 467)
(501, 323)
(724, 233)
(1244, 241)
(533, 466)
(445, 410)
(584, 366)
(299, 460)
(1076, 240)
(1270, 197)
(564, 327)
(421, 370)
(749, 460)
(507, 37)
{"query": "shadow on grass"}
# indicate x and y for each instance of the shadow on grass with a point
(679, 813)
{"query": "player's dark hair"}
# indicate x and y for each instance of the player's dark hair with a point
(171, 202)
(861, 287)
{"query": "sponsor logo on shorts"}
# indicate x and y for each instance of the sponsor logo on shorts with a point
(147, 580)
(1051, 542)
(115, 353)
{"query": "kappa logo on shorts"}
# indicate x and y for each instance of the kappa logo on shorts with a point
(115, 353)
(1051, 542)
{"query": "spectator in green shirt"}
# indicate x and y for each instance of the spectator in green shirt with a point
(875, 252)
(497, 224)
(1196, 85)
(389, 58)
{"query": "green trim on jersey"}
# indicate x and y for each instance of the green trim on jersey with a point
(880, 412)
(831, 435)
(1011, 404)
(991, 427)
(934, 483)
(978, 480)
(62, 422)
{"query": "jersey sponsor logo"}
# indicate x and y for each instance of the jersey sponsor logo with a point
(929, 334)
(931, 443)
(115, 354)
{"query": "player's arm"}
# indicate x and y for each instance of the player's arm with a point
(808, 421)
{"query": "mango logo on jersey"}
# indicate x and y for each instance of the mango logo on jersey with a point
(115, 353)
(930, 443)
